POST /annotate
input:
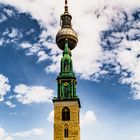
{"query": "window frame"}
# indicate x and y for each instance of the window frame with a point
(65, 114)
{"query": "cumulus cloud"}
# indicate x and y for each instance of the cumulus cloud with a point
(13, 33)
(10, 104)
(88, 118)
(93, 50)
(4, 135)
(23, 134)
(51, 117)
(10, 36)
(131, 61)
(42, 56)
(25, 45)
(48, 16)
(33, 132)
(127, 56)
(121, 49)
(4, 86)
(1, 41)
(3, 18)
(9, 12)
(33, 94)
(9, 138)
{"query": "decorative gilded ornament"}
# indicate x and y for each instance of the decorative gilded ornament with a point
(66, 84)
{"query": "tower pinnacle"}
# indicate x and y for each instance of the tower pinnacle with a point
(66, 2)
(66, 6)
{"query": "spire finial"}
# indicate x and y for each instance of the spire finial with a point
(66, 2)
(66, 6)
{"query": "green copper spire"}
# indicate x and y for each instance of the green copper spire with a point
(66, 79)
(66, 62)
(66, 49)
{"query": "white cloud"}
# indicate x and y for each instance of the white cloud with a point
(55, 67)
(136, 137)
(33, 94)
(42, 56)
(13, 33)
(30, 31)
(127, 56)
(23, 134)
(51, 117)
(4, 86)
(3, 18)
(88, 50)
(50, 12)
(34, 49)
(9, 12)
(1, 41)
(125, 51)
(9, 138)
(88, 118)
(97, 14)
(10, 104)
(25, 45)
(33, 132)
(6, 32)
(4, 135)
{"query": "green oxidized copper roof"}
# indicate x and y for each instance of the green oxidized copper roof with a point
(66, 58)
(66, 53)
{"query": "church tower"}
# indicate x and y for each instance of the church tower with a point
(66, 104)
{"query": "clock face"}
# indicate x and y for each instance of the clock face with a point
(66, 84)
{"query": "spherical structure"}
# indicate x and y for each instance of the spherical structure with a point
(68, 33)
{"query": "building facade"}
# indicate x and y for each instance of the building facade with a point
(66, 104)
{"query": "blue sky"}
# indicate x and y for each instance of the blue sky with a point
(106, 62)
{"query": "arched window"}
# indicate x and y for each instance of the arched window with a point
(66, 91)
(65, 114)
(66, 65)
(66, 131)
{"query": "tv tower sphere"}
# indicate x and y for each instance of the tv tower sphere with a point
(66, 31)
